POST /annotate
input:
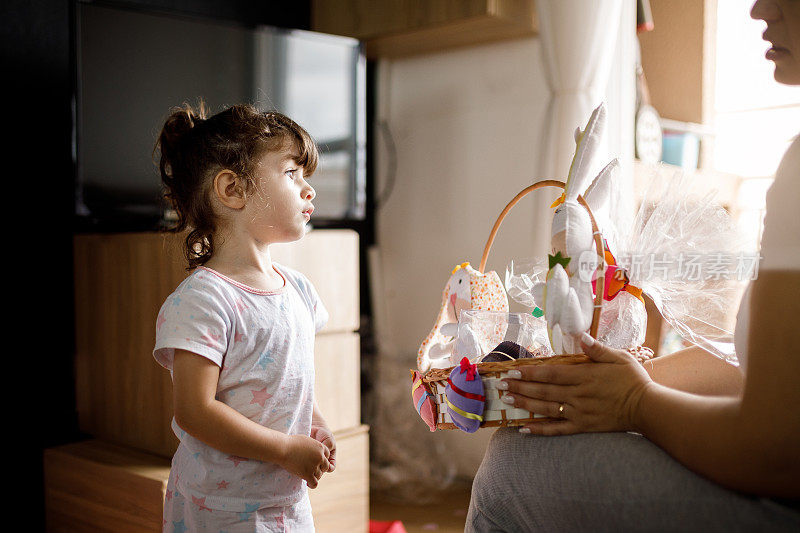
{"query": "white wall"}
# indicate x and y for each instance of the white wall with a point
(468, 128)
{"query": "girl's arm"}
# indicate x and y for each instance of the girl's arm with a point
(748, 443)
(199, 413)
(697, 371)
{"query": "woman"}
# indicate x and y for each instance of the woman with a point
(703, 453)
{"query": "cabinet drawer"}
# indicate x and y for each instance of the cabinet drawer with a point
(338, 379)
(329, 258)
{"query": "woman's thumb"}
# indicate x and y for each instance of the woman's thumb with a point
(596, 351)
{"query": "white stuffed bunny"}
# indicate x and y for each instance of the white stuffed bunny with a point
(566, 295)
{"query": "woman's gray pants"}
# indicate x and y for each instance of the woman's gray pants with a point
(606, 482)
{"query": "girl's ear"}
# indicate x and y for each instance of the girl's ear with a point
(228, 189)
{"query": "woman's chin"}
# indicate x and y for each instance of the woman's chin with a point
(788, 74)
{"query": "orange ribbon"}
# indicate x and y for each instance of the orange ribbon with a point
(619, 280)
(560, 200)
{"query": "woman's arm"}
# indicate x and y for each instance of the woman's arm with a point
(199, 413)
(748, 443)
(697, 371)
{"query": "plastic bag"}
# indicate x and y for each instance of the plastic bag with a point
(521, 276)
(479, 332)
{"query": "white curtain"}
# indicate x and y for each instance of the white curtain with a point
(578, 42)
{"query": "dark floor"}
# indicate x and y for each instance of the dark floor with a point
(445, 516)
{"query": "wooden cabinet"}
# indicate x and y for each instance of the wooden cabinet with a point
(124, 398)
(98, 486)
(394, 29)
(120, 283)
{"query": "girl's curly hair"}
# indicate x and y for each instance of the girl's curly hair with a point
(193, 148)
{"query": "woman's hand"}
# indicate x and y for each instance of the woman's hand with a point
(306, 458)
(599, 396)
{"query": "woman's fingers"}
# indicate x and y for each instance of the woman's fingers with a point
(600, 353)
(551, 428)
(550, 409)
(540, 391)
(557, 374)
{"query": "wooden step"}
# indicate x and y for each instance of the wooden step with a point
(95, 486)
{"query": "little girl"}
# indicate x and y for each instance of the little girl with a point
(238, 334)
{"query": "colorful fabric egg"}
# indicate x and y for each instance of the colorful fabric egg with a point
(465, 397)
(423, 400)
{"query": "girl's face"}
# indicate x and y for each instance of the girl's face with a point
(783, 32)
(280, 206)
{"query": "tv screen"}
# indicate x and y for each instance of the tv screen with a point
(133, 66)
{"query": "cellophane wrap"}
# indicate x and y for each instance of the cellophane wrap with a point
(681, 248)
(685, 251)
(623, 320)
(479, 332)
(521, 276)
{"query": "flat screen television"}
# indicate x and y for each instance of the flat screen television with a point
(133, 66)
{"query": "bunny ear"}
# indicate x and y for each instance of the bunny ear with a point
(587, 144)
(599, 192)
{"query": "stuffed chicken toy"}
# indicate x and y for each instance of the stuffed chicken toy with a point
(466, 288)
(567, 295)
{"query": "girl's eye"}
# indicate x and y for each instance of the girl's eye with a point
(291, 173)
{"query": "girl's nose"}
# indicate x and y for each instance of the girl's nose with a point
(766, 10)
(309, 193)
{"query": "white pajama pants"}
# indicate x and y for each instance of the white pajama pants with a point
(182, 515)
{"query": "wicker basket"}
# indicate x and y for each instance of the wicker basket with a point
(497, 413)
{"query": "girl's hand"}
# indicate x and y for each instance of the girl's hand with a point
(600, 396)
(306, 458)
(325, 436)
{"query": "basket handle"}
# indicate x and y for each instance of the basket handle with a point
(598, 241)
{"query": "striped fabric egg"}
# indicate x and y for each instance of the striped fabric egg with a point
(423, 400)
(465, 397)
